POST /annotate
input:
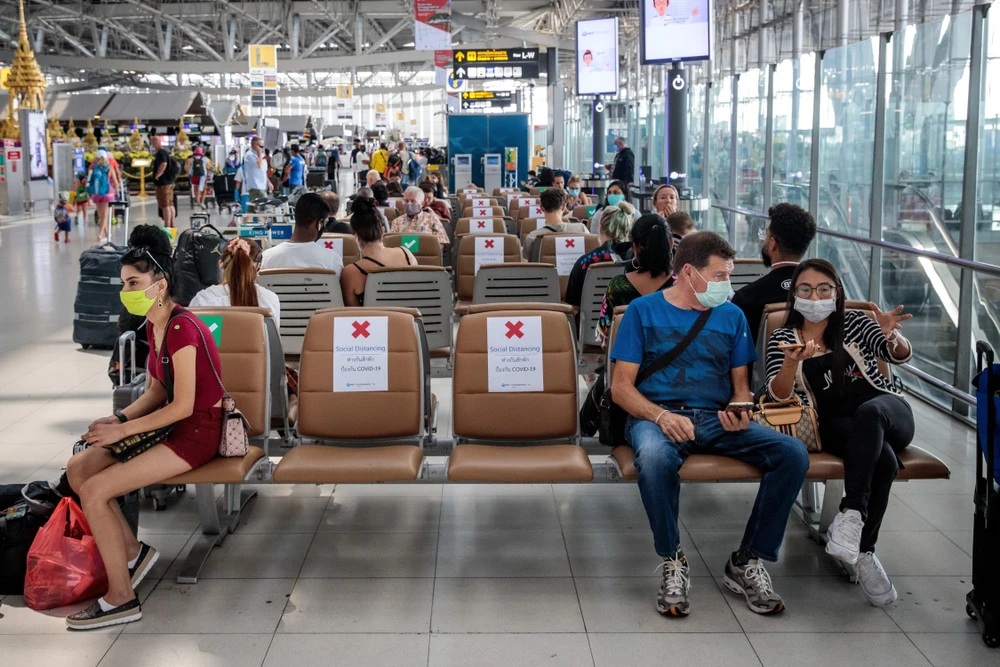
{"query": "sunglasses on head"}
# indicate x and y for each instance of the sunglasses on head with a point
(137, 252)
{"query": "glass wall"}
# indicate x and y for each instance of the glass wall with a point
(720, 131)
(697, 106)
(793, 119)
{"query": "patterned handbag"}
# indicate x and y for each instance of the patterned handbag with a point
(791, 418)
(130, 447)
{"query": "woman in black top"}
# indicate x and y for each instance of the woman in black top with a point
(828, 358)
(366, 221)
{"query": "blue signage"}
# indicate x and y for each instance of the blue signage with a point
(79, 161)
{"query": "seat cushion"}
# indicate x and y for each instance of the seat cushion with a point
(917, 464)
(318, 464)
(544, 463)
(462, 306)
(220, 470)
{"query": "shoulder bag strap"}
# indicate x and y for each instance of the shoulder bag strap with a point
(669, 357)
(211, 363)
(168, 376)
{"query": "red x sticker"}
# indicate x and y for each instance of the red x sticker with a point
(514, 329)
(488, 243)
(570, 243)
(328, 245)
(361, 329)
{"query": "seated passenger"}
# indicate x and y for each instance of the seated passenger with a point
(395, 188)
(194, 409)
(552, 204)
(682, 410)
(862, 418)
(681, 225)
(616, 222)
(239, 265)
(416, 219)
(369, 230)
(302, 251)
(787, 240)
(381, 193)
(576, 197)
(440, 208)
(665, 201)
(372, 177)
(648, 272)
(617, 191)
(334, 226)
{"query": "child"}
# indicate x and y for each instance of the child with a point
(79, 198)
(63, 222)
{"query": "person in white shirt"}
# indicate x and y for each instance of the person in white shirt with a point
(361, 165)
(239, 264)
(303, 251)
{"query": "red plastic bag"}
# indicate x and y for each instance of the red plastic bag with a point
(64, 565)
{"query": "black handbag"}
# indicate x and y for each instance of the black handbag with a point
(130, 447)
(613, 417)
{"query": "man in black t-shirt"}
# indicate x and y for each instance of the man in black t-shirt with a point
(164, 174)
(791, 231)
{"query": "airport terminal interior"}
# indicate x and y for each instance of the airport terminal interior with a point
(436, 502)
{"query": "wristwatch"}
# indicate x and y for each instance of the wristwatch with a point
(121, 416)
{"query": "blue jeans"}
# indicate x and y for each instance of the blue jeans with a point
(782, 459)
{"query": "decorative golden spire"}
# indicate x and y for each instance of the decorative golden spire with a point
(25, 83)
(90, 139)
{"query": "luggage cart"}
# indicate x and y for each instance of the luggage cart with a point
(983, 601)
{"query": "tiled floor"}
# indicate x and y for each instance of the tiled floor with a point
(460, 575)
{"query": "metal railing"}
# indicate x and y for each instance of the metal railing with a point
(978, 267)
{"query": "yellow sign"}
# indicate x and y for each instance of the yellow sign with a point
(400, 116)
(379, 107)
(345, 92)
(479, 95)
(4, 73)
(263, 57)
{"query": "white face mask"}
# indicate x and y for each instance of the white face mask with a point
(815, 311)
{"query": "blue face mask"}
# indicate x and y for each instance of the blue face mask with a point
(717, 293)
(574, 191)
(614, 200)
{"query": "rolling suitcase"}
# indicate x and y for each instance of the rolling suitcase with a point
(97, 305)
(983, 601)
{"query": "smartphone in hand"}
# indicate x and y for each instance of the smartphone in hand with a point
(738, 408)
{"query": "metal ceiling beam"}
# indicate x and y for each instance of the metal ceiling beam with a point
(319, 41)
(538, 38)
(131, 37)
(236, 9)
(76, 43)
(183, 26)
(392, 32)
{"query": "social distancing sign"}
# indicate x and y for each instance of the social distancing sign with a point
(337, 245)
(536, 212)
(480, 212)
(514, 354)
(489, 250)
(214, 324)
(568, 250)
(411, 243)
(361, 354)
(481, 202)
(477, 226)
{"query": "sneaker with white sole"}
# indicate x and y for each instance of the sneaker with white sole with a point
(754, 583)
(672, 599)
(144, 563)
(874, 581)
(844, 536)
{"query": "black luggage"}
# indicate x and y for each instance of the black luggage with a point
(983, 601)
(20, 520)
(97, 305)
(196, 261)
(131, 380)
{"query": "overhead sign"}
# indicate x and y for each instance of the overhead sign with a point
(514, 354)
(675, 31)
(490, 101)
(361, 354)
(263, 76)
(432, 25)
(454, 83)
(263, 59)
(496, 64)
(597, 57)
(441, 60)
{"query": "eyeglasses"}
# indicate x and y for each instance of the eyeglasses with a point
(824, 290)
(139, 251)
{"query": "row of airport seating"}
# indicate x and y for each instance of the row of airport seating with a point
(390, 435)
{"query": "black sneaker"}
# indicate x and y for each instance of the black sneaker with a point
(143, 564)
(94, 617)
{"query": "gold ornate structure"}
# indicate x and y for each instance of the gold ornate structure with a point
(90, 139)
(135, 143)
(183, 144)
(25, 83)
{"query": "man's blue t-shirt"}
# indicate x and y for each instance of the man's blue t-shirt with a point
(699, 377)
(298, 167)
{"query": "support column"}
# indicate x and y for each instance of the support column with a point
(600, 131)
(557, 111)
(675, 151)
(843, 21)
(877, 211)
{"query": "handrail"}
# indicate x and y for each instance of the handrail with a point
(989, 269)
(930, 209)
(941, 385)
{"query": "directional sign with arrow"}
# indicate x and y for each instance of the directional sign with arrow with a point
(497, 64)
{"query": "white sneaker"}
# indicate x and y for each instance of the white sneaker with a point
(844, 536)
(874, 582)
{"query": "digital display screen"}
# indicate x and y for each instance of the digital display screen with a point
(493, 160)
(674, 30)
(37, 149)
(463, 160)
(597, 57)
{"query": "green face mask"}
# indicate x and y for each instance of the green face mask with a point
(136, 302)
(614, 200)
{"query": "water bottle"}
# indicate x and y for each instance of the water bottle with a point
(642, 179)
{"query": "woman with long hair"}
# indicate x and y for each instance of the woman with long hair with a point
(193, 408)
(613, 232)
(101, 188)
(369, 228)
(648, 272)
(616, 192)
(239, 265)
(665, 201)
(828, 358)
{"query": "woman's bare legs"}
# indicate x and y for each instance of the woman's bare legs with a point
(102, 219)
(96, 494)
(85, 465)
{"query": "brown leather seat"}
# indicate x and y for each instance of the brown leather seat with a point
(548, 253)
(390, 212)
(349, 244)
(917, 464)
(516, 418)
(427, 252)
(580, 212)
(494, 225)
(527, 225)
(348, 416)
(220, 470)
(530, 211)
(465, 278)
(317, 464)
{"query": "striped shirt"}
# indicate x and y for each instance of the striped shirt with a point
(864, 342)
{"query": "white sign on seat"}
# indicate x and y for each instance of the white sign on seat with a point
(479, 212)
(481, 202)
(361, 354)
(333, 244)
(536, 212)
(568, 250)
(489, 250)
(477, 226)
(514, 354)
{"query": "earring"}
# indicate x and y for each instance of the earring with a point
(159, 302)
(635, 262)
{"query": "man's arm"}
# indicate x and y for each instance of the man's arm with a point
(741, 385)
(159, 170)
(625, 394)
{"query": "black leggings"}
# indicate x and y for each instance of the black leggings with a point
(869, 466)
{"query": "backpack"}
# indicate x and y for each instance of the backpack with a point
(196, 261)
(278, 161)
(98, 183)
(415, 170)
(82, 196)
(198, 167)
(321, 160)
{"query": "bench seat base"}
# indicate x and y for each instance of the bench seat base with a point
(319, 464)
(525, 465)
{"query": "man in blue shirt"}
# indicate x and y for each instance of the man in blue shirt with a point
(295, 169)
(255, 170)
(682, 409)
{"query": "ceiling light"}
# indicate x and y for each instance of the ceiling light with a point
(187, 47)
(408, 44)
